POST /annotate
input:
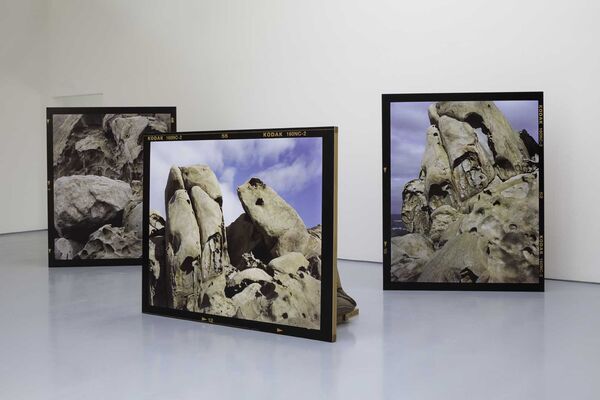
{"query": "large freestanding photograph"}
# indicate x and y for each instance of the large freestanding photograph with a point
(95, 182)
(463, 191)
(239, 229)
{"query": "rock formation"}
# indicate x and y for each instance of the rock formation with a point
(472, 214)
(265, 266)
(97, 160)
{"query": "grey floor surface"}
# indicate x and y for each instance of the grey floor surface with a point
(78, 333)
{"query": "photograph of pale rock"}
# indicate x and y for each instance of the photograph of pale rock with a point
(235, 228)
(97, 172)
(465, 192)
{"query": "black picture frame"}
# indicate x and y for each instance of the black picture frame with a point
(50, 113)
(327, 331)
(387, 100)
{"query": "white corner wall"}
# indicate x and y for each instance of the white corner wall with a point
(242, 64)
(23, 76)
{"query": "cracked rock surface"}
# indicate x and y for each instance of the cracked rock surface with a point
(472, 214)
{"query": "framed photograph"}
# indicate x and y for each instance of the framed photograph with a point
(240, 229)
(463, 191)
(95, 174)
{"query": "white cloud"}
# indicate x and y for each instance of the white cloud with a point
(291, 178)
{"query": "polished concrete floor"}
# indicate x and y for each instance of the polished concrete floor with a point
(78, 333)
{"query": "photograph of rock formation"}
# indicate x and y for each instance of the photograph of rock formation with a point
(465, 192)
(235, 228)
(97, 184)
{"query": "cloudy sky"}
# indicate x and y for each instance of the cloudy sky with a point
(409, 122)
(291, 166)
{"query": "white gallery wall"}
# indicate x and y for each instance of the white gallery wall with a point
(255, 64)
(23, 76)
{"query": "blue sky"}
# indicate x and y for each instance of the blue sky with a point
(409, 122)
(291, 166)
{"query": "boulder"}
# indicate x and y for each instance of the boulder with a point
(65, 249)
(203, 177)
(509, 152)
(415, 211)
(110, 242)
(212, 233)
(281, 227)
(289, 299)
(472, 168)
(461, 260)
(174, 183)
(289, 263)
(82, 204)
(157, 224)
(242, 238)
(409, 254)
(183, 251)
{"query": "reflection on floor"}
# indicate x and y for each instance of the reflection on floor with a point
(76, 333)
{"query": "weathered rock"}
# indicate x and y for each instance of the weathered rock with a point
(105, 145)
(508, 150)
(250, 274)
(314, 267)
(111, 242)
(506, 218)
(62, 128)
(212, 299)
(281, 227)
(433, 115)
(203, 177)
(249, 261)
(159, 287)
(126, 132)
(65, 249)
(314, 245)
(436, 172)
(183, 251)
(441, 219)
(212, 233)
(488, 230)
(415, 211)
(289, 263)
(84, 203)
(461, 260)
(174, 183)
(137, 190)
(290, 299)
(242, 238)
(533, 148)
(132, 218)
(89, 151)
(409, 254)
(472, 169)
(157, 224)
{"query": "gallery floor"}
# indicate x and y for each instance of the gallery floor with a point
(78, 334)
